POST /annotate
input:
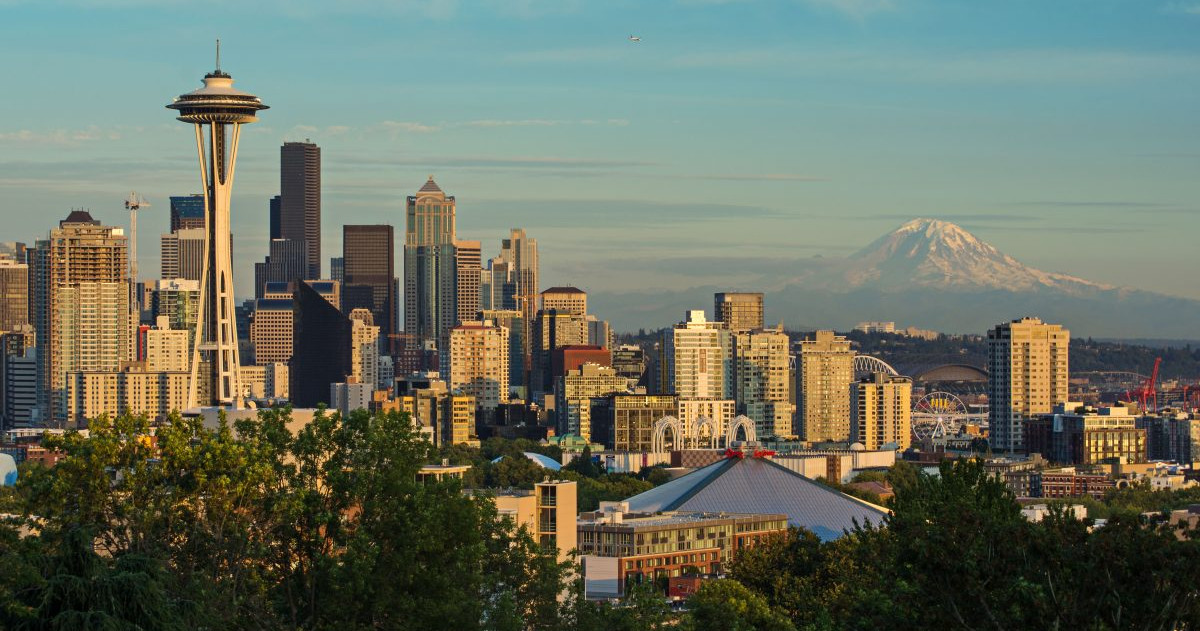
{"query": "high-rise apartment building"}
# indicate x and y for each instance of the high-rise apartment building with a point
(761, 380)
(574, 394)
(514, 322)
(739, 311)
(430, 279)
(1027, 377)
(300, 200)
(571, 300)
(478, 361)
(18, 380)
(14, 294)
(182, 253)
(881, 410)
(369, 273)
(824, 373)
(177, 299)
(167, 348)
(187, 212)
(80, 303)
(468, 263)
(699, 358)
(364, 351)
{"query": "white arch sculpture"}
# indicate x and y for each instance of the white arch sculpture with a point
(659, 438)
(713, 433)
(744, 422)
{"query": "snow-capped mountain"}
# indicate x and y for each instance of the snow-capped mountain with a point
(931, 274)
(939, 254)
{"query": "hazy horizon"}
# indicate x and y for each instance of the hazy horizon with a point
(760, 132)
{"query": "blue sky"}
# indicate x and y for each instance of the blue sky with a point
(761, 131)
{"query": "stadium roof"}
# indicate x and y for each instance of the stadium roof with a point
(545, 462)
(757, 485)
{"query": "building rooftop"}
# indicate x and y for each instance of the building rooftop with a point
(79, 216)
(430, 187)
(757, 485)
(673, 518)
(564, 290)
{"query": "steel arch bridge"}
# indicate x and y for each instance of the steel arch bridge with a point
(864, 365)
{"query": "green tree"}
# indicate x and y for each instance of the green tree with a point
(727, 604)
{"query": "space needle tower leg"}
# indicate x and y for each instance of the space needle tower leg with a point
(217, 111)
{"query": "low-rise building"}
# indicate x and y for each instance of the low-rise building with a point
(1077, 434)
(1067, 482)
(667, 544)
(548, 511)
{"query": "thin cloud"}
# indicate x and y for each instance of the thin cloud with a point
(854, 8)
(409, 127)
(58, 136)
(1057, 66)
(1094, 204)
(1185, 8)
(759, 177)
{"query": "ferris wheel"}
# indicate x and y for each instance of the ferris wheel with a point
(940, 414)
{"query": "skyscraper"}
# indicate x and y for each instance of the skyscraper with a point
(80, 303)
(497, 286)
(521, 255)
(284, 263)
(574, 393)
(187, 212)
(761, 380)
(300, 200)
(14, 294)
(182, 253)
(739, 311)
(321, 347)
(699, 358)
(369, 273)
(824, 373)
(881, 409)
(1027, 376)
(364, 349)
(430, 279)
(223, 110)
(479, 362)
(467, 269)
(275, 223)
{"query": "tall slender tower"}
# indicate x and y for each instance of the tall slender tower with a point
(223, 110)
(300, 201)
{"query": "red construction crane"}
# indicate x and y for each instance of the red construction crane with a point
(1148, 391)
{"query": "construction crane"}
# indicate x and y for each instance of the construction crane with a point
(133, 203)
(1148, 391)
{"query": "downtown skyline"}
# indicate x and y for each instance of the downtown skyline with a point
(754, 132)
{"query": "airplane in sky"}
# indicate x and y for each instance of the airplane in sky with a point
(634, 38)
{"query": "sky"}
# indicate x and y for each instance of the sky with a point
(735, 137)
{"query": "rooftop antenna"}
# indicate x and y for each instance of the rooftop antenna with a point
(218, 54)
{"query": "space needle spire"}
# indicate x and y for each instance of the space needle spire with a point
(217, 111)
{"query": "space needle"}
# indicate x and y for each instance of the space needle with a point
(218, 112)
